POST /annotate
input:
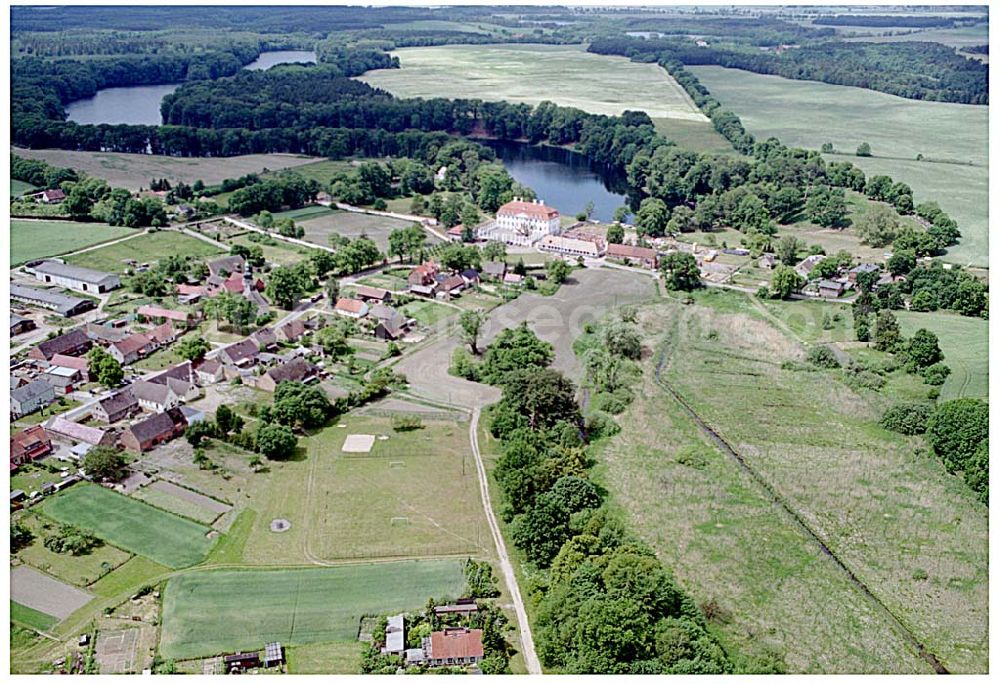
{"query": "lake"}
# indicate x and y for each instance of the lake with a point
(141, 104)
(563, 179)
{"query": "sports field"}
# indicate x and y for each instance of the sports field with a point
(36, 239)
(132, 525)
(148, 248)
(808, 114)
(216, 611)
(563, 74)
(965, 343)
(888, 514)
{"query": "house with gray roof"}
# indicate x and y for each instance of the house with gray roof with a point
(73, 343)
(74, 277)
(30, 398)
(118, 406)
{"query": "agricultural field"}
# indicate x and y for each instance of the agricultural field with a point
(148, 248)
(320, 225)
(29, 617)
(294, 606)
(563, 74)
(37, 239)
(965, 343)
(78, 570)
(959, 37)
(18, 188)
(181, 501)
(951, 137)
(281, 252)
(134, 171)
(889, 513)
(44, 594)
(126, 523)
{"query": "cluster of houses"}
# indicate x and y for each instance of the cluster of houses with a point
(374, 304)
(226, 274)
(451, 646)
(248, 661)
(845, 279)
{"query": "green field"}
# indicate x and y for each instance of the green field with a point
(78, 570)
(325, 223)
(962, 36)
(132, 525)
(216, 611)
(323, 172)
(36, 239)
(889, 514)
(305, 213)
(177, 505)
(29, 617)
(18, 188)
(563, 74)
(427, 312)
(148, 248)
(808, 114)
(965, 343)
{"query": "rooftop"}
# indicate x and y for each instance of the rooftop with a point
(86, 275)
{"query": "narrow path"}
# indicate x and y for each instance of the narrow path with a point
(527, 643)
(203, 238)
(424, 222)
(799, 521)
(295, 241)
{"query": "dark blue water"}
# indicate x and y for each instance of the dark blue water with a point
(141, 104)
(563, 179)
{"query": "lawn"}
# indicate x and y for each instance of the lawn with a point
(221, 611)
(352, 224)
(18, 188)
(280, 252)
(889, 513)
(427, 312)
(148, 248)
(29, 617)
(965, 343)
(323, 172)
(563, 74)
(808, 114)
(341, 657)
(305, 213)
(132, 525)
(36, 239)
(78, 570)
(129, 577)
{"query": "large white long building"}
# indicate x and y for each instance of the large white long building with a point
(521, 223)
(74, 277)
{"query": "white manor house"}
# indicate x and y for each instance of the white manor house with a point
(521, 223)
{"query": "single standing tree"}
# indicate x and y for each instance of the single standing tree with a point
(105, 463)
(558, 271)
(275, 441)
(864, 150)
(471, 323)
(333, 290)
(785, 282)
(616, 234)
(680, 271)
(104, 367)
(787, 249)
(192, 348)
(886, 335)
(923, 350)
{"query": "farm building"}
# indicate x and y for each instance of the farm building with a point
(830, 288)
(368, 294)
(158, 428)
(118, 406)
(105, 334)
(154, 396)
(63, 380)
(395, 642)
(73, 343)
(62, 428)
(54, 196)
(30, 398)
(240, 662)
(240, 354)
(454, 646)
(853, 274)
(470, 276)
(513, 279)
(643, 256)
(183, 318)
(265, 338)
(63, 305)
(521, 223)
(421, 279)
(767, 260)
(494, 270)
(805, 267)
(560, 244)
(132, 348)
(451, 285)
(19, 324)
(74, 277)
(79, 363)
(183, 371)
(391, 327)
(274, 655)
(296, 370)
(352, 308)
(457, 609)
(28, 445)
(292, 330)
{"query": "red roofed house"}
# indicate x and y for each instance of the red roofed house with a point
(28, 445)
(132, 348)
(51, 196)
(421, 279)
(643, 256)
(79, 363)
(352, 308)
(156, 312)
(292, 330)
(454, 646)
(521, 223)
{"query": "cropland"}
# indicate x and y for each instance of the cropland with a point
(126, 523)
(36, 239)
(135, 171)
(294, 606)
(951, 137)
(912, 534)
(147, 248)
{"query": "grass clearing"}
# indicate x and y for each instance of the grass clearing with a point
(340, 657)
(965, 343)
(78, 570)
(36, 239)
(886, 510)
(808, 114)
(427, 312)
(206, 613)
(324, 171)
(132, 525)
(134, 171)
(178, 505)
(352, 225)
(29, 617)
(128, 577)
(147, 248)
(18, 188)
(563, 74)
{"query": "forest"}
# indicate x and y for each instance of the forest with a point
(885, 20)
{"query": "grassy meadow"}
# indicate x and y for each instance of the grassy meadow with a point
(951, 137)
(913, 534)
(130, 524)
(965, 343)
(216, 611)
(18, 188)
(563, 74)
(37, 239)
(148, 248)
(29, 617)
(320, 223)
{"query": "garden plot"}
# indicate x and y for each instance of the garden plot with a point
(182, 501)
(38, 591)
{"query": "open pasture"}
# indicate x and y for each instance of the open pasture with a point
(37, 239)
(889, 513)
(808, 114)
(351, 224)
(135, 171)
(958, 37)
(216, 611)
(130, 524)
(563, 74)
(148, 248)
(965, 343)
(29, 617)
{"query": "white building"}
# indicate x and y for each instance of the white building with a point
(521, 223)
(560, 244)
(74, 277)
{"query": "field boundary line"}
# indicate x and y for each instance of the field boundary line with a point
(780, 501)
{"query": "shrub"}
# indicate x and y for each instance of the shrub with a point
(936, 374)
(906, 418)
(823, 357)
(600, 424)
